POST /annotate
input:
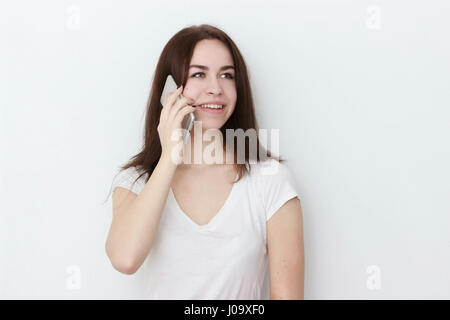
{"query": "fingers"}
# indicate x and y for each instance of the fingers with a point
(184, 111)
(170, 100)
(178, 105)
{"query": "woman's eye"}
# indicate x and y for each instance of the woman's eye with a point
(230, 76)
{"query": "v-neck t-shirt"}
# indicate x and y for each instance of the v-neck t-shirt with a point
(225, 258)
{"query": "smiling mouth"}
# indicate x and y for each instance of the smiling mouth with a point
(211, 106)
(211, 109)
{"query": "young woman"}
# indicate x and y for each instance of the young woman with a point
(208, 230)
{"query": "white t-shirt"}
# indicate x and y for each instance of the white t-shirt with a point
(226, 258)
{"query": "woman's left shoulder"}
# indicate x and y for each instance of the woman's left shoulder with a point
(271, 169)
(276, 184)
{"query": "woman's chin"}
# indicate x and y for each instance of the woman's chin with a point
(208, 124)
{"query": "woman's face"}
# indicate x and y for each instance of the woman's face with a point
(211, 84)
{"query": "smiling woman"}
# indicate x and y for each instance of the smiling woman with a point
(209, 231)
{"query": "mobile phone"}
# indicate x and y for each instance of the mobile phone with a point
(188, 120)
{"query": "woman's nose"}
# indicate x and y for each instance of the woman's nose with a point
(214, 87)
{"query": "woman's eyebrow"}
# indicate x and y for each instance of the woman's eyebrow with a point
(206, 68)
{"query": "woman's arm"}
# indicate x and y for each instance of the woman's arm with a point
(286, 252)
(136, 219)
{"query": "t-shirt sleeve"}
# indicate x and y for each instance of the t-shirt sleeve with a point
(278, 186)
(126, 179)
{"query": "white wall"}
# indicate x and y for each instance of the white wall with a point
(358, 89)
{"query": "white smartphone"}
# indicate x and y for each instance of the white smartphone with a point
(188, 120)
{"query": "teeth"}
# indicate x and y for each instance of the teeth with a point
(212, 106)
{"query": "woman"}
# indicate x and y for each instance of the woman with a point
(208, 230)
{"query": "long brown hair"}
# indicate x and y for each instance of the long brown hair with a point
(174, 60)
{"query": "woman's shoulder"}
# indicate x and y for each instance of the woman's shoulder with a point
(131, 178)
(268, 167)
(131, 172)
(275, 184)
(271, 173)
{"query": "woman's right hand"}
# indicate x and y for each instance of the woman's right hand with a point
(172, 115)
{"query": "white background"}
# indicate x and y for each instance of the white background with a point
(358, 89)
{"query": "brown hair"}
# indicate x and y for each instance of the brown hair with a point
(174, 60)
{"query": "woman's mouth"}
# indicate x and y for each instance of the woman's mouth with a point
(214, 109)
